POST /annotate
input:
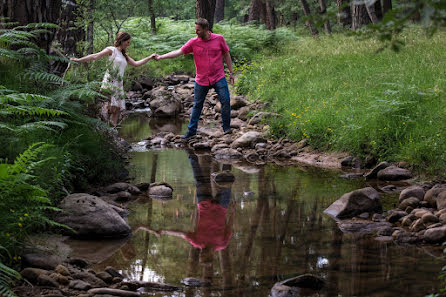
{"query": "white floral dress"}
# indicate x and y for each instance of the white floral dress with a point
(113, 78)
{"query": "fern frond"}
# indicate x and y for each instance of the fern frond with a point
(37, 25)
(44, 77)
(9, 54)
(24, 110)
(7, 275)
(4, 126)
(22, 98)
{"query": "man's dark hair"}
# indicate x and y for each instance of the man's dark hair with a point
(203, 23)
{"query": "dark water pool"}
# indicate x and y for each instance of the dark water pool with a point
(277, 230)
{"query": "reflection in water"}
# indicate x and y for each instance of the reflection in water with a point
(278, 231)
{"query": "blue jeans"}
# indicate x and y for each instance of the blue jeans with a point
(200, 92)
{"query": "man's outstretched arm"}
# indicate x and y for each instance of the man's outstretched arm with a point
(172, 54)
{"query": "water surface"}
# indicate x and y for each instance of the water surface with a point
(278, 230)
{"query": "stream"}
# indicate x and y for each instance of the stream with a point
(278, 229)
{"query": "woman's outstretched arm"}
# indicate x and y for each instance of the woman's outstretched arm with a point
(92, 57)
(142, 61)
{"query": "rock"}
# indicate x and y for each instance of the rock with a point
(81, 263)
(48, 262)
(204, 145)
(151, 286)
(47, 281)
(402, 236)
(32, 274)
(249, 139)
(377, 217)
(105, 276)
(90, 278)
(116, 187)
(62, 270)
(227, 154)
(90, 216)
(441, 200)
(440, 212)
(406, 221)
(417, 226)
(389, 188)
(238, 102)
(351, 162)
(393, 173)
(355, 203)
(79, 285)
(413, 191)
(364, 215)
(61, 279)
(412, 202)
(137, 86)
(429, 218)
(223, 177)
(113, 272)
(435, 235)
(146, 83)
(258, 117)
(219, 147)
(160, 191)
(374, 172)
(432, 194)
(237, 123)
(193, 282)
(293, 286)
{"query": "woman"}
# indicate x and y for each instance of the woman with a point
(113, 79)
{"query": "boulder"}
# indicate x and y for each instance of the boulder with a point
(431, 196)
(238, 102)
(90, 216)
(435, 235)
(354, 203)
(374, 172)
(413, 191)
(248, 139)
(48, 262)
(411, 201)
(393, 173)
(227, 154)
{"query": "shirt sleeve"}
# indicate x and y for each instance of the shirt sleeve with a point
(112, 48)
(224, 46)
(187, 48)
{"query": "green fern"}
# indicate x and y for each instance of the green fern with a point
(7, 275)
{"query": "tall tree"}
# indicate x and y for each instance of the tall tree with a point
(359, 16)
(152, 16)
(307, 13)
(371, 12)
(254, 10)
(219, 10)
(344, 13)
(37, 11)
(270, 16)
(387, 5)
(90, 27)
(206, 9)
(324, 12)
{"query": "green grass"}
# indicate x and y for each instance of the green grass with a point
(343, 96)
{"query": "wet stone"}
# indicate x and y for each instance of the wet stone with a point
(193, 282)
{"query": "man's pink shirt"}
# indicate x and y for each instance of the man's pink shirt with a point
(208, 58)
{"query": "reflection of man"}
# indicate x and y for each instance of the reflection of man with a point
(213, 231)
(208, 49)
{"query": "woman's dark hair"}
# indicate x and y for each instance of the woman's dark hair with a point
(120, 38)
(203, 23)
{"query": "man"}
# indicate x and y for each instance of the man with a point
(208, 50)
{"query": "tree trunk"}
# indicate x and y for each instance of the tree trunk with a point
(152, 17)
(344, 13)
(387, 5)
(307, 13)
(294, 18)
(371, 12)
(324, 13)
(359, 16)
(270, 19)
(219, 10)
(68, 35)
(379, 10)
(206, 9)
(33, 11)
(90, 27)
(254, 10)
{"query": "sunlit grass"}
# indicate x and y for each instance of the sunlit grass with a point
(341, 95)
